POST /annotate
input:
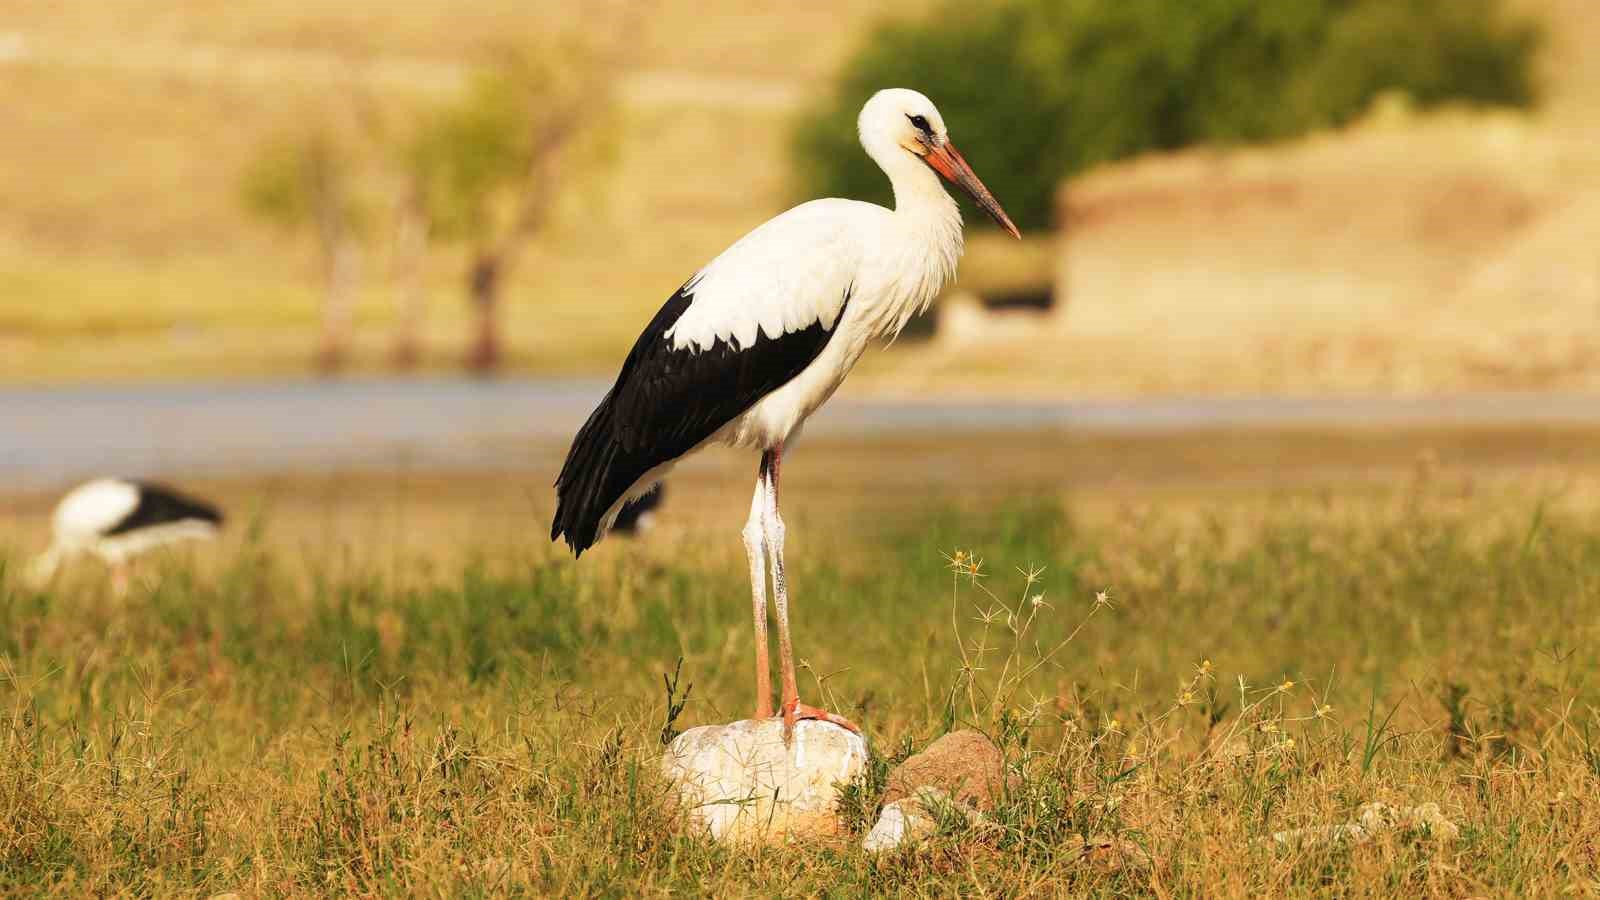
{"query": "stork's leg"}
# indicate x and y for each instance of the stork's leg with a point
(119, 579)
(772, 524)
(755, 548)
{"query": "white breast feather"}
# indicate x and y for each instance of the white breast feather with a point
(785, 276)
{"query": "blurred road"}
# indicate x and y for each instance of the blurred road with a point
(49, 436)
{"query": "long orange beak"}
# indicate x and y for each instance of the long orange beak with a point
(948, 161)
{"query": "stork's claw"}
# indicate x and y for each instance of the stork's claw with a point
(794, 711)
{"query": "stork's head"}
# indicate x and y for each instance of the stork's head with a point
(901, 121)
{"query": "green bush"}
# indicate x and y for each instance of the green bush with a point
(1035, 90)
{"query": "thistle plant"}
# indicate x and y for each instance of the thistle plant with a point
(1005, 643)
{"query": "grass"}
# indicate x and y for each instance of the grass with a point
(296, 716)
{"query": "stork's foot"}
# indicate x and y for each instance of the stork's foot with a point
(794, 711)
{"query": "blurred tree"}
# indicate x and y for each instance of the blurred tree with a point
(1376, 47)
(489, 168)
(306, 180)
(1036, 90)
(411, 239)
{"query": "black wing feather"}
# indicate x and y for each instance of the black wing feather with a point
(161, 505)
(666, 402)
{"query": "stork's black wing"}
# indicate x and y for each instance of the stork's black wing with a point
(666, 402)
(161, 505)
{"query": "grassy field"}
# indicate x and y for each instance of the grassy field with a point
(389, 683)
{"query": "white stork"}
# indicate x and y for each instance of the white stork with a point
(116, 520)
(638, 515)
(762, 336)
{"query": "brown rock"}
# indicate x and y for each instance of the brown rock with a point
(964, 764)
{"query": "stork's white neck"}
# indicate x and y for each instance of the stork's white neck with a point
(930, 241)
(918, 192)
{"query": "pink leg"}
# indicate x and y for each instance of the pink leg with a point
(754, 547)
(772, 523)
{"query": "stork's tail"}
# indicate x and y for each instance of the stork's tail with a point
(588, 487)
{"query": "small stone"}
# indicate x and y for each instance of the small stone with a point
(963, 764)
(910, 819)
(1371, 820)
(499, 869)
(1234, 751)
(900, 821)
(1376, 817)
(1111, 853)
(742, 784)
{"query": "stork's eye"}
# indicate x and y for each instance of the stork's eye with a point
(921, 125)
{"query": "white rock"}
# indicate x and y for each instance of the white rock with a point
(908, 820)
(1371, 820)
(742, 784)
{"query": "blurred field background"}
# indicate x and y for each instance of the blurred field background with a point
(1408, 252)
(125, 250)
